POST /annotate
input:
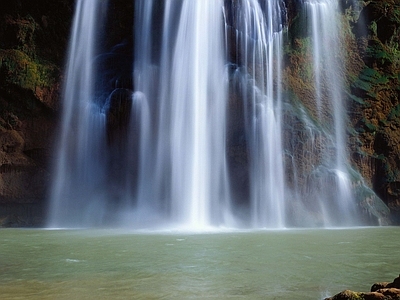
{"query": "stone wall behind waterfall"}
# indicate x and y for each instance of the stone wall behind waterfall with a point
(33, 40)
(376, 101)
(370, 35)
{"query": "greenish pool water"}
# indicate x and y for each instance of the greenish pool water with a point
(114, 264)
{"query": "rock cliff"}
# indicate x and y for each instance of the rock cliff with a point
(33, 45)
(370, 35)
(33, 42)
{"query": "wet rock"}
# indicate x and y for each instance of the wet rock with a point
(350, 295)
(379, 291)
(386, 285)
(12, 221)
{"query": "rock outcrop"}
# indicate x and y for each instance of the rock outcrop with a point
(379, 291)
(33, 39)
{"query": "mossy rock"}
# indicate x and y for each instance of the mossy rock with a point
(17, 68)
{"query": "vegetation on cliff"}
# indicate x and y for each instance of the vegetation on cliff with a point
(33, 39)
(375, 92)
(33, 43)
(371, 71)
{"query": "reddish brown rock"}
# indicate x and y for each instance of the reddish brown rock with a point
(386, 285)
(379, 291)
(350, 295)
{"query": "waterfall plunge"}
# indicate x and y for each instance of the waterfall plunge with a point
(77, 195)
(171, 162)
(185, 84)
(257, 36)
(329, 96)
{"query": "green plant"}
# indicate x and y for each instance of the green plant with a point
(17, 68)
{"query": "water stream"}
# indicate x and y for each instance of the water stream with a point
(78, 192)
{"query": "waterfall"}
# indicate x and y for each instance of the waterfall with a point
(257, 35)
(79, 169)
(194, 128)
(330, 182)
(185, 83)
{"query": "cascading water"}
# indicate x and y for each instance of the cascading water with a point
(258, 38)
(79, 169)
(191, 169)
(318, 168)
(203, 134)
(329, 88)
(185, 84)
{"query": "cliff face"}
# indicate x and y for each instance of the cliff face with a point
(370, 71)
(33, 39)
(375, 95)
(33, 43)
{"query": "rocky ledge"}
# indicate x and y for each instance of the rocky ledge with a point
(379, 291)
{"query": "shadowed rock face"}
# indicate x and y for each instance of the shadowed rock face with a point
(33, 39)
(33, 43)
(33, 46)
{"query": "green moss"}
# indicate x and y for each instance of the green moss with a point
(370, 81)
(350, 295)
(363, 85)
(370, 126)
(394, 51)
(356, 99)
(392, 174)
(387, 54)
(378, 52)
(374, 28)
(17, 68)
(394, 113)
(373, 76)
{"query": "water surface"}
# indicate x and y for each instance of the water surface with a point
(115, 264)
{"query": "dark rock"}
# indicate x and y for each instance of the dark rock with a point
(386, 285)
(378, 286)
(379, 291)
